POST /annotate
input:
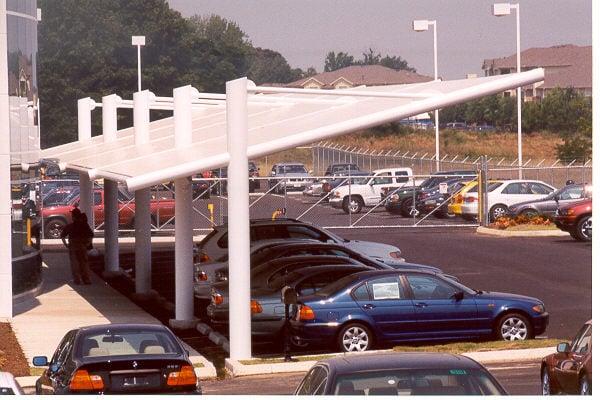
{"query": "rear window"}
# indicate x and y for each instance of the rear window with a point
(124, 342)
(338, 285)
(491, 187)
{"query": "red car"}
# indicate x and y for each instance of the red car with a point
(569, 370)
(576, 218)
(57, 216)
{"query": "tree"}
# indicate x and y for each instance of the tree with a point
(337, 61)
(370, 58)
(396, 63)
(270, 66)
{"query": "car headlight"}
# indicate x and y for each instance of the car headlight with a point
(395, 254)
(539, 308)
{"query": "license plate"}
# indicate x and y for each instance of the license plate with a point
(135, 381)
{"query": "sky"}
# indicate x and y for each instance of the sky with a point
(304, 31)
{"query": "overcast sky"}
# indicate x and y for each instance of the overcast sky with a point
(303, 31)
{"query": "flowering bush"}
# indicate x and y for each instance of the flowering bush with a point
(505, 222)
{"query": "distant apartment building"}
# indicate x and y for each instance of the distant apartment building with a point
(565, 66)
(359, 75)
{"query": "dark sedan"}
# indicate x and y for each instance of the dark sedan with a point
(118, 359)
(403, 306)
(569, 370)
(434, 200)
(548, 205)
(399, 374)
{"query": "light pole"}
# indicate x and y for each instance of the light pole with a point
(500, 10)
(420, 26)
(139, 41)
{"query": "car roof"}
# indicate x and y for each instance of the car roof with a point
(104, 327)
(269, 221)
(290, 163)
(397, 360)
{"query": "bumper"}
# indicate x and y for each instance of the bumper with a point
(392, 206)
(266, 327)
(315, 334)
(335, 202)
(470, 209)
(564, 224)
(455, 208)
(540, 323)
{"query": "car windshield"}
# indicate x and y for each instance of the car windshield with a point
(292, 169)
(125, 342)
(458, 381)
(72, 197)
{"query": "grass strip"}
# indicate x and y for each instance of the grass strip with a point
(454, 348)
(530, 227)
(467, 347)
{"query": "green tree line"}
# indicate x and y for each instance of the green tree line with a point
(562, 111)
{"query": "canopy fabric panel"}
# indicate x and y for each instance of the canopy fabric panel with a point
(275, 122)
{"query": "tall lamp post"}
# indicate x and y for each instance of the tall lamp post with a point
(500, 10)
(420, 26)
(139, 41)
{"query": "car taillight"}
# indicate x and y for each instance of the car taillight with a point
(395, 254)
(202, 276)
(184, 377)
(326, 187)
(470, 199)
(204, 257)
(82, 380)
(217, 299)
(255, 307)
(458, 199)
(306, 313)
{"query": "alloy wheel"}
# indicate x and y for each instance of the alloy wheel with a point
(545, 383)
(586, 228)
(584, 387)
(513, 329)
(355, 339)
(353, 206)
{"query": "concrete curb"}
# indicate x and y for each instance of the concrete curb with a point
(502, 233)
(236, 368)
(26, 381)
(208, 370)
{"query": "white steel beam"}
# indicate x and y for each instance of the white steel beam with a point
(239, 224)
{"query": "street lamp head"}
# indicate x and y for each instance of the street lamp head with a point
(138, 40)
(420, 25)
(501, 9)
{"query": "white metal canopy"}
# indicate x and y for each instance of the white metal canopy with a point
(283, 119)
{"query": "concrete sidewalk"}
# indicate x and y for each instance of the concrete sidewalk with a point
(41, 322)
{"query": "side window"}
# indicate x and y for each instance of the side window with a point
(387, 288)
(572, 193)
(97, 198)
(223, 241)
(383, 179)
(538, 188)
(429, 288)
(314, 382)
(361, 293)
(63, 349)
(512, 188)
(268, 232)
(401, 176)
(584, 344)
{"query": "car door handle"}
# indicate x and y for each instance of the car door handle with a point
(368, 306)
(421, 305)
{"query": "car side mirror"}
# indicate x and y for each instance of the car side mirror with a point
(40, 361)
(458, 296)
(562, 347)
(289, 295)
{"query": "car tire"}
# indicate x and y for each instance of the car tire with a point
(354, 337)
(497, 211)
(547, 388)
(53, 228)
(529, 213)
(583, 229)
(585, 387)
(354, 205)
(513, 326)
(406, 206)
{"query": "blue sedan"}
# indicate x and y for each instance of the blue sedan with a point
(406, 306)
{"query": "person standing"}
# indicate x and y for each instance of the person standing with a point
(79, 236)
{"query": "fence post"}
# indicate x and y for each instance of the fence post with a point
(483, 198)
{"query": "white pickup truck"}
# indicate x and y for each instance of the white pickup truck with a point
(367, 191)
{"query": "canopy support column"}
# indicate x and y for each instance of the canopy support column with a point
(239, 218)
(142, 219)
(184, 231)
(111, 199)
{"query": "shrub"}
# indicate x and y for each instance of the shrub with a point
(505, 222)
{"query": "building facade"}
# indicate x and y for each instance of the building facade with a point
(19, 136)
(566, 66)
